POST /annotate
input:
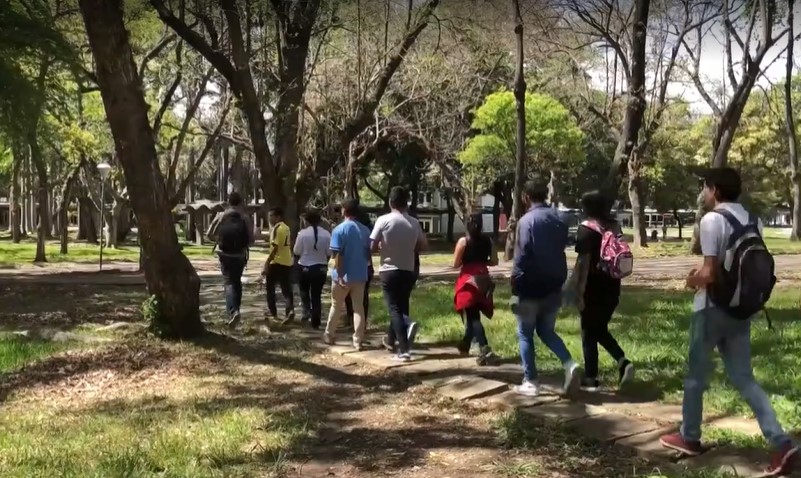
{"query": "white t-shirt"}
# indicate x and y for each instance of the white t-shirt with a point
(304, 247)
(715, 232)
(399, 234)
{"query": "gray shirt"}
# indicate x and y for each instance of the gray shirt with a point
(399, 235)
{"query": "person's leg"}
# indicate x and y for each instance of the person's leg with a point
(605, 337)
(394, 290)
(366, 301)
(285, 281)
(525, 313)
(349, 309)
(409, 280)
(546, 330)
(699, 364)
(270, 282)
(338, 294)
(236, 282)
(316, 292)
(735, 347)
(467, 339)
(589, 343)
(357, 299)
(227, 274)
(478, 332)
(304, 287)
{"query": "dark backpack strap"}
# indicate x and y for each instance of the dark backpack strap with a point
(738, 228)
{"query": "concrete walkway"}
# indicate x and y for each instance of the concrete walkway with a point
(125, 273)
(604, 416)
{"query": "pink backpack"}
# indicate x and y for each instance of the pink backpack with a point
(617, 261)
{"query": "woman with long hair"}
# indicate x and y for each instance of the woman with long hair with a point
(473, 255)
(597, 293)
(312, 252)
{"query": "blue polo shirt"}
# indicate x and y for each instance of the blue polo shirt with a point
(540, 264)
(351, 240)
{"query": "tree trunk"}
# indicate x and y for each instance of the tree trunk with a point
(637, 212)
(63, 211)
(792, 140)
(497, 194)
(15, 210)
(170, 277)
(553, 196)
(635, 104)
(87, 221)
(679, 222)
(520, 160)
(451, 218)
(43, 220)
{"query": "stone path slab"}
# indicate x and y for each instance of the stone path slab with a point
(379, 358)
(738, 425)
(511, 400)
(467, 388)
(647, 444)
(429, 367)
(608, 427)
(745, 463)
(564, 411)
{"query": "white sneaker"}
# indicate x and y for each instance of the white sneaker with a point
(402, 358)
(572, 376)
(327, 339)
(529, 389)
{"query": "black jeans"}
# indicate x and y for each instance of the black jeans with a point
(397, 288)
(473, 328)
(406, 318)
(366, 302)
(312, 280)
(281, 275)
(232, 268)
(595, 320)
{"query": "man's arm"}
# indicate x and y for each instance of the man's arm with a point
(711, 232)
(493, 253)
(377, 236)
(275, 239)
(211, 232)
(251, 230)
(422, 242)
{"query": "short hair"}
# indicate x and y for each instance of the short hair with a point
(398, 198)
(536, 190)
(277, 211)
(350, 207)
(234, 199)
(596, 205)
(726, 181)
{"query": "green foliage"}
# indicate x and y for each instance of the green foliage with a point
(151, 315)
(553, 140)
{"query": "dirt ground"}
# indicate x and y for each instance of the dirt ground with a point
(355, 421)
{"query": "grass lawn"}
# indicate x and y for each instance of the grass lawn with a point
(777, 240)
(652, 327)
(251, 406)
(17, 351)
(81, 252)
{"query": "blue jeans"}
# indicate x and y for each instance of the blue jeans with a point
(473, 328)
(540, 316)
(711, 328)
(232, 267)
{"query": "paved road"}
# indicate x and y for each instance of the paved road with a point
(125, 273)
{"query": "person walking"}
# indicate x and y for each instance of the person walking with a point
(363, 218)
(278, 266)
(538, 273)
(398, 236)
(473, 255)
(312, 252)
(232, 233)
(350, 246)
(597, 292)
(733, 284)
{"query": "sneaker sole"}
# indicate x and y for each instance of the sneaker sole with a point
(590, 389)
(679, 449)
(526, 394)
(787, 466)
(628, 375)
(571, 382)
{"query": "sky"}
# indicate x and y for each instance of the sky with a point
(713, 66)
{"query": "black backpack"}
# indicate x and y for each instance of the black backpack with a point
(232, 233)
(746, 277)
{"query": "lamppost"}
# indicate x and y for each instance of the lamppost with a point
(104, 169)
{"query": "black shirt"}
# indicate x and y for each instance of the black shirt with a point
(477, 251)
(600, 287)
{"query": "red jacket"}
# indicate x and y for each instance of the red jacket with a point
(474, 289)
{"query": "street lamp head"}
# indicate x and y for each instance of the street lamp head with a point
(104, 169)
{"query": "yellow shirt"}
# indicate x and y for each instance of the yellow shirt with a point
(280, 238)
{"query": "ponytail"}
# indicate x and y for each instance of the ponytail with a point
(313, 218)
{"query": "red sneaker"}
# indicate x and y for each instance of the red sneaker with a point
(677, 442)
(782, 462)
